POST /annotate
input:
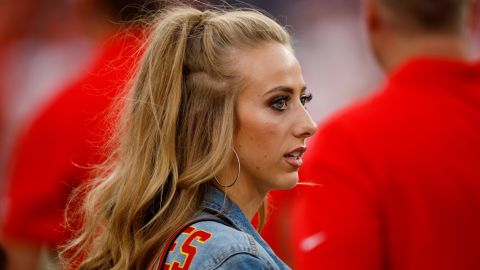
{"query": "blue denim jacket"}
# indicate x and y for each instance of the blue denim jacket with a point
(212, 245)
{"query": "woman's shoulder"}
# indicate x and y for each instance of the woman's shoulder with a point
(212, 245)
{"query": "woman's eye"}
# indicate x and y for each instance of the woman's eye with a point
(304, 99)
(280, 103)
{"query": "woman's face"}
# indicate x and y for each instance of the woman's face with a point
(272, 120)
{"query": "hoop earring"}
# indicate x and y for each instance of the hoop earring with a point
(236, 178)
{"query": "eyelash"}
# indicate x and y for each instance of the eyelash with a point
(304, 99)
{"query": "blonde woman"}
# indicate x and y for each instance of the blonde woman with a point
(216, 120)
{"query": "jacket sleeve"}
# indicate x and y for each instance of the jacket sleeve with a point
(243, 261)
(337, 223)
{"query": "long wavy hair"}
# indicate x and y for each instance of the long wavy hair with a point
(176, 133)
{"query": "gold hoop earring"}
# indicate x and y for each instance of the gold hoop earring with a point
(236, 178)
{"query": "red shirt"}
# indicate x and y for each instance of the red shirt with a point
(63, 143)
(398, 177)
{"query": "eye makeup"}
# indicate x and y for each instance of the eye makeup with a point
(280, 103)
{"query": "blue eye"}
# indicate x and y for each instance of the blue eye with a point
(280, 103)
(304, 99)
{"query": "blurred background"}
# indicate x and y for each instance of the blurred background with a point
(46, 45)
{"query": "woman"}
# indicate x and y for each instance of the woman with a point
(216, 120)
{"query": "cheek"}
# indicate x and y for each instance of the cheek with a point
(258, 138)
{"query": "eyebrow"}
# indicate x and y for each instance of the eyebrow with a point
(285, 89)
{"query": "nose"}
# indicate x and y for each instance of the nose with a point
(305, 127)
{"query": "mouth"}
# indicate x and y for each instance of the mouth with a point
(294, 157)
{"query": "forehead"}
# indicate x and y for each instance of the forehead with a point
(269, 65)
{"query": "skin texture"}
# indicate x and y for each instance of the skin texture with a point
(271, 122)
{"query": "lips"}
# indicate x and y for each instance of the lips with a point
(294, 157)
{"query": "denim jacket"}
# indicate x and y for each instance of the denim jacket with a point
(212, 245)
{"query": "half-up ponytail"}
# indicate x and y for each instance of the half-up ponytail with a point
(176, 133)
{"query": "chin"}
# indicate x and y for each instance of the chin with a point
(288, 182)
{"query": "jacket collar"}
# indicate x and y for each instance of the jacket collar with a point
(217, 201)
(439, 71)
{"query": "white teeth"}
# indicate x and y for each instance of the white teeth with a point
(294, 154)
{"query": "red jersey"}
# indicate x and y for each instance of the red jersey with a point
(398, 177)
(57, 152)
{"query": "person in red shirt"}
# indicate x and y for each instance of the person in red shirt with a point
(397, 176)
(66, 140)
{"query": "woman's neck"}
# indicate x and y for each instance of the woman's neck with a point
(247, 198)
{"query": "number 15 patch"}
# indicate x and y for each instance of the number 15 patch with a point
(188, 248)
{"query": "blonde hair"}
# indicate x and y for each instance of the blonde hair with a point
(176, 133)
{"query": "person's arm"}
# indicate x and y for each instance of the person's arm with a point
(42, 175)
(3, 258)
(20, 255)
(337, 222)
